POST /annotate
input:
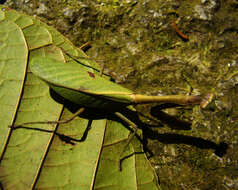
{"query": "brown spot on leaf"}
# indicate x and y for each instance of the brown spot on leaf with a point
(91, 75)
(6, 9)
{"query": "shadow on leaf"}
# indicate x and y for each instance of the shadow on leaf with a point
(163, 119)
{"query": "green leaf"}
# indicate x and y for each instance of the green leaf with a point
(70, 166)
(51, 156)
(136, 171)
(12, 72)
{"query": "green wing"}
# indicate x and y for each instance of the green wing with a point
(79, 85)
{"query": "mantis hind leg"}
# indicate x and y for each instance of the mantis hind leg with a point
(52, 122)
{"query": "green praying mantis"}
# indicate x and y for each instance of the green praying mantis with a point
(43, 52)
(91, 90)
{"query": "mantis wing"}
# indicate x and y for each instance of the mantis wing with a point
(79, 85)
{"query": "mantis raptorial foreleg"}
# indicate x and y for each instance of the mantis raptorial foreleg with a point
(130, 137)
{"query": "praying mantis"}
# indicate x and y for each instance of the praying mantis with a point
(32, 50)
(91, 90)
